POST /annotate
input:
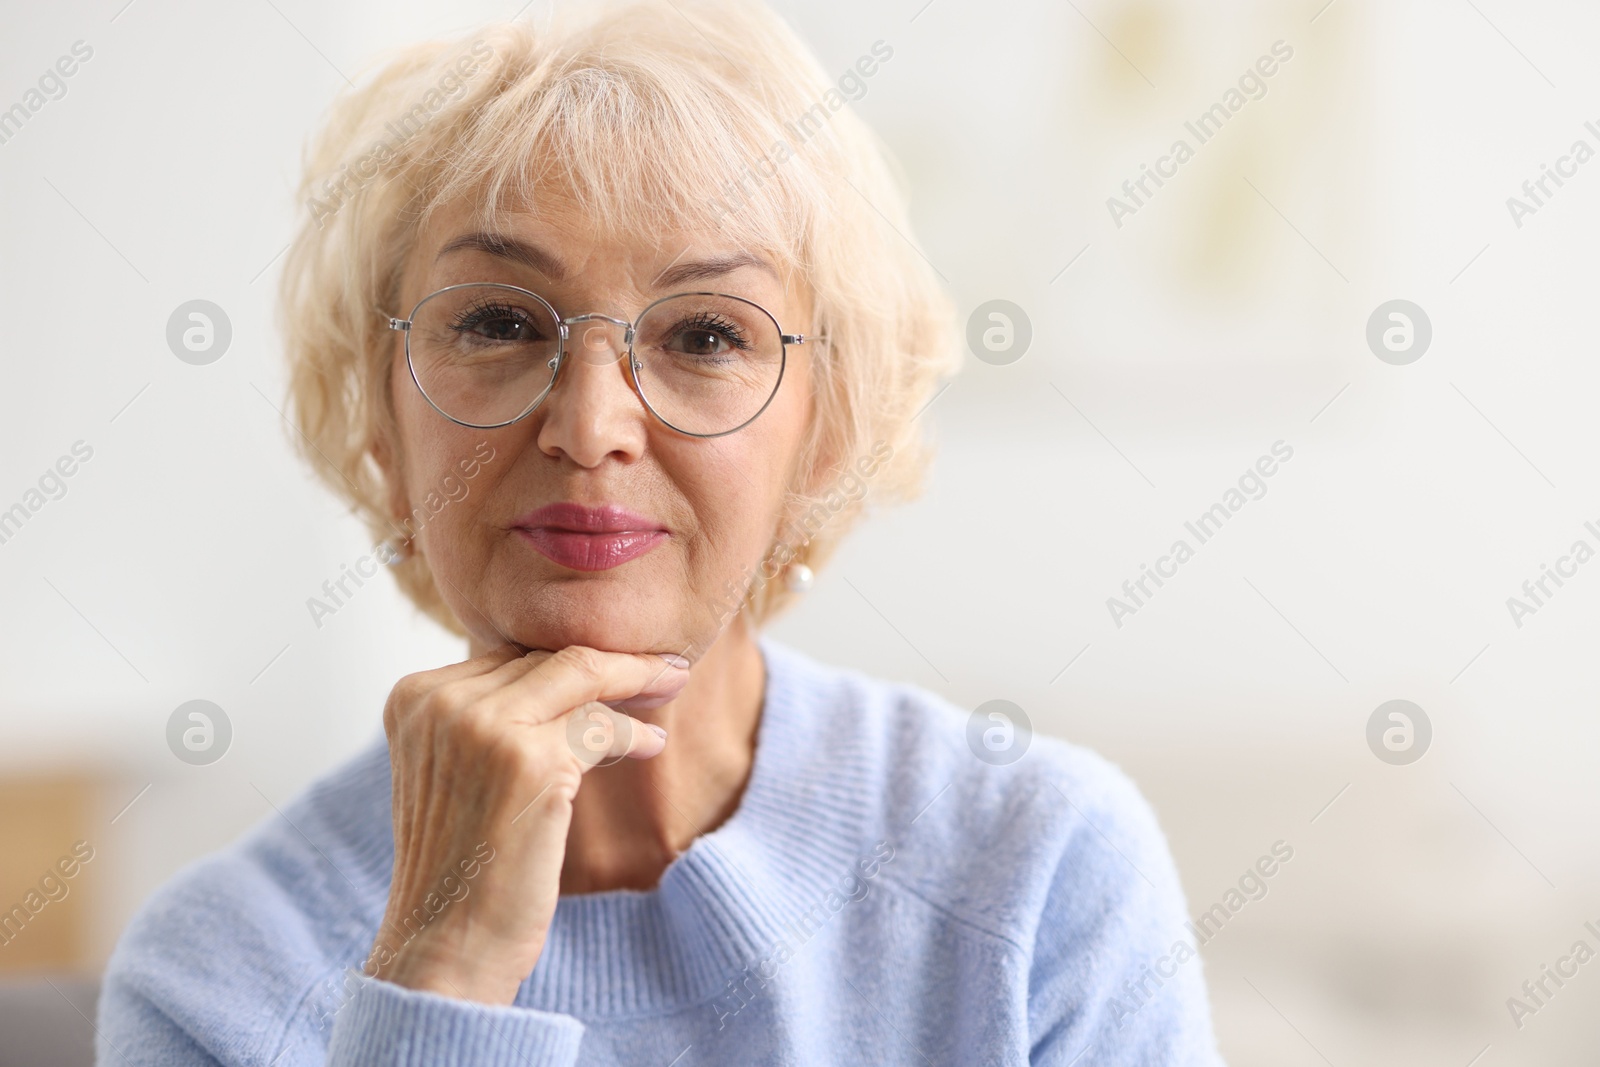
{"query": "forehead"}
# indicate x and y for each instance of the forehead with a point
(553, 241)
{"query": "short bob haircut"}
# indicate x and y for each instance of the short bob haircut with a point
(684, 113)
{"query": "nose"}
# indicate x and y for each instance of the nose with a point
(592, 411)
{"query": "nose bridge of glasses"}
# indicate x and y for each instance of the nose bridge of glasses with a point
(589, 337)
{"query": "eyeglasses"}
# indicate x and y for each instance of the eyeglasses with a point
(486, 354)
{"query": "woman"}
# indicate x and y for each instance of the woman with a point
(608, 330)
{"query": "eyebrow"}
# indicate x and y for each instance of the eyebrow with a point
(531, 255)
(711, 267)
(519, 251)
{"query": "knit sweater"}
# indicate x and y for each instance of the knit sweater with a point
(881, 895)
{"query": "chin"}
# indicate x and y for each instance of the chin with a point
(609, 616)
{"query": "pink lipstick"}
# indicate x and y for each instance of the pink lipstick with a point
(589, 538)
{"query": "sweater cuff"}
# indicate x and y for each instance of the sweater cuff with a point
(389, 1025)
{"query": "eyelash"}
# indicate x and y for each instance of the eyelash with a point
(713, 323)
(479, 314)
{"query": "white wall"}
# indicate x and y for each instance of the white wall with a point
(1222, 317)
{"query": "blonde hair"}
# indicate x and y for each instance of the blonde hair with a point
(697, 113)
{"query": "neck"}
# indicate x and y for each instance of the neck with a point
(632, 818)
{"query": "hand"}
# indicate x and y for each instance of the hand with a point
(485, 771)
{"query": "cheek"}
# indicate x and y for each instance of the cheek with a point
(446, 482)
(737, 485)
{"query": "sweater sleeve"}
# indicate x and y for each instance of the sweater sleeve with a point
(1115, 978)
(381, 1024)
(398, 1027)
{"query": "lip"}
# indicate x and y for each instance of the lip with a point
(586, 538)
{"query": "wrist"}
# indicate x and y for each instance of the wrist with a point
(456, 973)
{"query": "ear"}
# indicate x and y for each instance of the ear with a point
(824, 470)
(386, 455)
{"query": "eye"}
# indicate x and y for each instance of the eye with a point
(500, 323)
(708, 336)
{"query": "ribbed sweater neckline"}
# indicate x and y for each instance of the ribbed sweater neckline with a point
(735, 892)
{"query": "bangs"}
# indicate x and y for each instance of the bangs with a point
(645, 136)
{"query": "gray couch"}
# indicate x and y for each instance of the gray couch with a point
(47, 1021)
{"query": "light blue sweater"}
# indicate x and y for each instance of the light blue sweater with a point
(881, 896)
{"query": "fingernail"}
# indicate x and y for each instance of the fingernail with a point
(675, 661)
(659, 731)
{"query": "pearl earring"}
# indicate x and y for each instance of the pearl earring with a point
(798, 577)
(399, 550)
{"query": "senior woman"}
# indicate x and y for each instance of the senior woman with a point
(608, 329)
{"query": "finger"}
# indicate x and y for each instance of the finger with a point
(506, 671)
(576, 675)
(475, 667)
(413, 689)
(599, 735)
(665, 688)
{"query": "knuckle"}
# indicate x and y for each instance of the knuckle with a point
(582, 661)
(478, 733)
(505, 758)
(407, 693)
(565, 778)
(450, 702)
(407, 690)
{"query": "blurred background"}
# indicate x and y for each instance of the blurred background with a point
(1161, 341)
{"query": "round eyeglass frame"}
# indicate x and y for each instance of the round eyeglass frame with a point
(563, 326)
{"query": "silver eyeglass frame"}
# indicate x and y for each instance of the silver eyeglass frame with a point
(564, 332)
